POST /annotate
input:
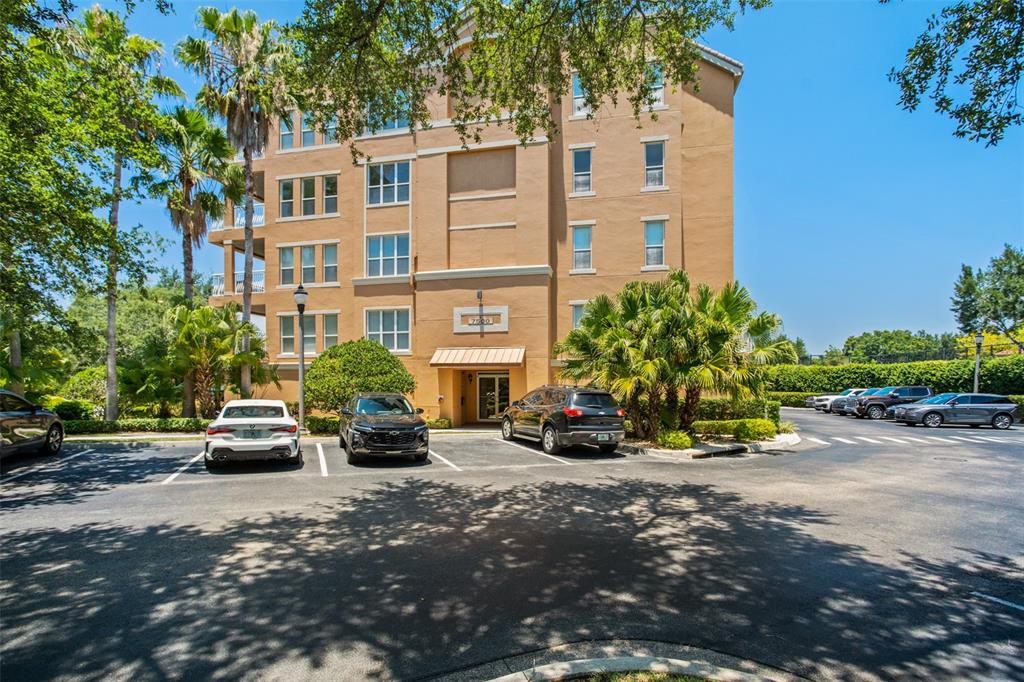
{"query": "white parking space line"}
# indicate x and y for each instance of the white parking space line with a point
(997, 600)
(870, 440)
(942, 440)
(917, 440)
(542, 454)
(323, 461)
(844, 440)
(995, 440)
(48, 465)
(894, 440)
(181, 469)
(966, 440)
(434, 454)
(818, 441)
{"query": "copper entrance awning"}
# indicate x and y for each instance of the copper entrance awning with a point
(478, 357)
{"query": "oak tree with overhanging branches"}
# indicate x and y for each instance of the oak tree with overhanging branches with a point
(243, 63)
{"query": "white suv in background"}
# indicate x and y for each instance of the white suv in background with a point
(824, 402)
(252, 430)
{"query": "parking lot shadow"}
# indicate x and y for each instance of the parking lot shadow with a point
(408, 579)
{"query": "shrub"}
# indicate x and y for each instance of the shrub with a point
(741, 429)
(1019, 399)
(322, 425)
(791, 398)
(717, 409)
(675, 440)
(998, 375)
(441, 423)
(88, 384)
(354, 367)
(170, 425)
(74, 409)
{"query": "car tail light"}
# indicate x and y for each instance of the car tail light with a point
(572, 411)
(285, 429)
(214, 430)
(620, 412)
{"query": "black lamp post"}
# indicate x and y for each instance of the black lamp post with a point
(301, 296)
(979, 339)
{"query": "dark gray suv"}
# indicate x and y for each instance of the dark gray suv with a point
(24, 426)
(566, 415)
(974, 409)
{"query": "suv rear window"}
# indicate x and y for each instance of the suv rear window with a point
(252, 412)
(598, 400)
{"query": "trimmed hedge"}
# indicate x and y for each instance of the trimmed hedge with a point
(791, 398)
(741, 429)
(1019, 399)
(325, 426)
(173, 425)
(998, 375)
(718, 409)
(675, 440)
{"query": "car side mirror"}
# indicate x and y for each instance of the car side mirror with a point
(517, 403)
(346, 411)
(954, 401)
(894, 394)
(419, 410)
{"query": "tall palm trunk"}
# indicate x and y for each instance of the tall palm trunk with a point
(688, 412)
(188, 397)
(246, 371)
(17, 380)
(115, 206)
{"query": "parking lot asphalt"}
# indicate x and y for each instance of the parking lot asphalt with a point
(880, 557)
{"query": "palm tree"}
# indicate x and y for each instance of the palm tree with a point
(198, 165)
(244, 64)
(118, 68)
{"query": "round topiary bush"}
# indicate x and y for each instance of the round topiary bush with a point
(88, 384)
(74, 409)
(354, 367)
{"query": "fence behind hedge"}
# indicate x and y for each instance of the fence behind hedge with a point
(998, 375)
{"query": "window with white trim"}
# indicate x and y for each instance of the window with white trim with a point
(308, 264)
(581, 159)
(330, 331)
(654, 164)
(287, 259)
(287, 334)
(581, 251)
(331, 130)
(656, 79)
(308, 132)
(654, 242)
(286, 138)
(390, 328)
(387, 255)
(579, 97)
(330, 193)
(309, 334)
(577, 314)
(330, 254)
(387, 183)
(308, 186)
(286, 191)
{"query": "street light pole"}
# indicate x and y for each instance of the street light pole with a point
(979, 339)
(301, 297)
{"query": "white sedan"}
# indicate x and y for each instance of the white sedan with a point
(250, 430)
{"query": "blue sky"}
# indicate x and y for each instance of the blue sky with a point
(851, 214)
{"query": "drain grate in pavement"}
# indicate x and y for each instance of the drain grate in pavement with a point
(950, 459)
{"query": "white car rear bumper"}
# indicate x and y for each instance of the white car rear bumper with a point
(224, 449)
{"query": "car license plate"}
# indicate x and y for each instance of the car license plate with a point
(603, 436)
(251, 434)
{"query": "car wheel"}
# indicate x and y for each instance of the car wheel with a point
(932, 420)
(421, 458)
(506, 429)
(351, 457)
(54, 440)
(549, 441)
(1002, 421)
(607, 449)
(876, 411)
(296, 460)
(210, 464)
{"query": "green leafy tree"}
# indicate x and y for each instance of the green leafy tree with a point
(885, 344)
(968, 62)
(353, 367)
(965, 301)
(244, 64)
(364, 62)
(992, 299)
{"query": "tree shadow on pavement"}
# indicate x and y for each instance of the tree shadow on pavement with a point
(415, 578)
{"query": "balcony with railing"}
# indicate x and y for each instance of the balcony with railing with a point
(259, 217)
(258, 282)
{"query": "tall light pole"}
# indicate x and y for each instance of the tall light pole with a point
(301, 296)
(979, 339)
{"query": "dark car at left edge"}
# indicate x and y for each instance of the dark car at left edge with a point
(27, 427)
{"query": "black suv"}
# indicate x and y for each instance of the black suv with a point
(383, 425)
(566, 415)
(875, 406)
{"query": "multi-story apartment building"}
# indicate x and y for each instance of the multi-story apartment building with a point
(470, 263)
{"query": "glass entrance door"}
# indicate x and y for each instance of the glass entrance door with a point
(492, 395)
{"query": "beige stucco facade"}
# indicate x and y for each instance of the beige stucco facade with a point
(490, 236)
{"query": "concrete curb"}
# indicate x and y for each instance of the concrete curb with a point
(708, 450)
(575, 669)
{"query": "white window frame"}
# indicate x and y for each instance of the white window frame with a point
(281, 184)
(573, 307)
(327, 196)
(327, 337)
(309, 181)
(367, 312)
(331, 131)
(382, 186)
(648, 266)
(579, 102)
(589, 174)
(329, 263)
(281, 250)
(308, 334)
(311, 131)
(303, 250)
(381, 259)
(290, 337)
(657, 84)
(575, 269)
(648, 169)
(286, 130)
